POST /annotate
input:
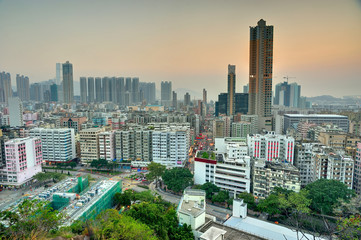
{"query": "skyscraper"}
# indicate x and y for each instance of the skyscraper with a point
(5, 87)
(91, 90)
(98, 90)
(135, 90)
(68, 89)
(59, 74)
(148, 89)
(16, 112)
(54, 93)
(174, 100)
(260, 73)
(204, 96)
(23, 88)
(187, 99)
(231, 89)
(83, 90)
(166, 92)
(287, 94)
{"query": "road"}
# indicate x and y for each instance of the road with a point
(218, 212)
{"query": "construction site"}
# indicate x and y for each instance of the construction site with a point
(77, 198)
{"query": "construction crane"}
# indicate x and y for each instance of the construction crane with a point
(287, 77)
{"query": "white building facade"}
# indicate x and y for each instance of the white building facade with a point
(58, 145)
(170, 147)
(271, 147)
(228, 174)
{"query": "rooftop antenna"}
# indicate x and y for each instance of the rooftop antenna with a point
(287, 77)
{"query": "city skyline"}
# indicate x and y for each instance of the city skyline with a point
(188, 44)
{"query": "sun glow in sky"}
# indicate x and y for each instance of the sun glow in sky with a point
(187, 42)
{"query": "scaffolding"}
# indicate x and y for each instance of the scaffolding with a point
(104, 202)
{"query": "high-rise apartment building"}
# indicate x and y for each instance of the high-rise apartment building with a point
(107, 145)
(59, 74)
(174, 100)
(98, 90)
(204, 96)
(135, 145)
(106, 88)
(68, 89)
(287, 95)
(148, 90)
(91, 90)
(135, 90)
(231, 90)
(83, 90)
(54, 93)
(16, 112)
(58, 145)
(260, 73)
(187, 99)
(23, 160)
(170, 147)
(23, 87)
(89, 144)
(166, 92)
(357, 171)
(6, 91)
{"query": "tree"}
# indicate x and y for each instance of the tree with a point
(177, 179)
(210, 188)
(249, 199)
(72, 165)
(32, 220)
(112, 225)
(100, 163)
(270, 205)
(349, 223)
(221, 197)
(162, 219)
(123, 199)
(155, 171)
(325, 193)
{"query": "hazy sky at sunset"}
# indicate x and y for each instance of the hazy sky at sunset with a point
(187, 42)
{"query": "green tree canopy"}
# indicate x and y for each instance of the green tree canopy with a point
(249, 199)
(177, 179)
(221, 197)
(155, 171)
(270, 205)
(111, 225)
(163, 220)
(32, 220)
(210, 188)
(325, 194)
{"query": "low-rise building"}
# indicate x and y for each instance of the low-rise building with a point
(268, 175)
(192, 208)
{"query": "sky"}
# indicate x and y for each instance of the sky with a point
(189, 42)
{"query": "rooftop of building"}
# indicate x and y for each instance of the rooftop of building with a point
(263, 229)
(213, 229)
(192, 207)
(316, 115)
(277, 165)
(18, 140)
